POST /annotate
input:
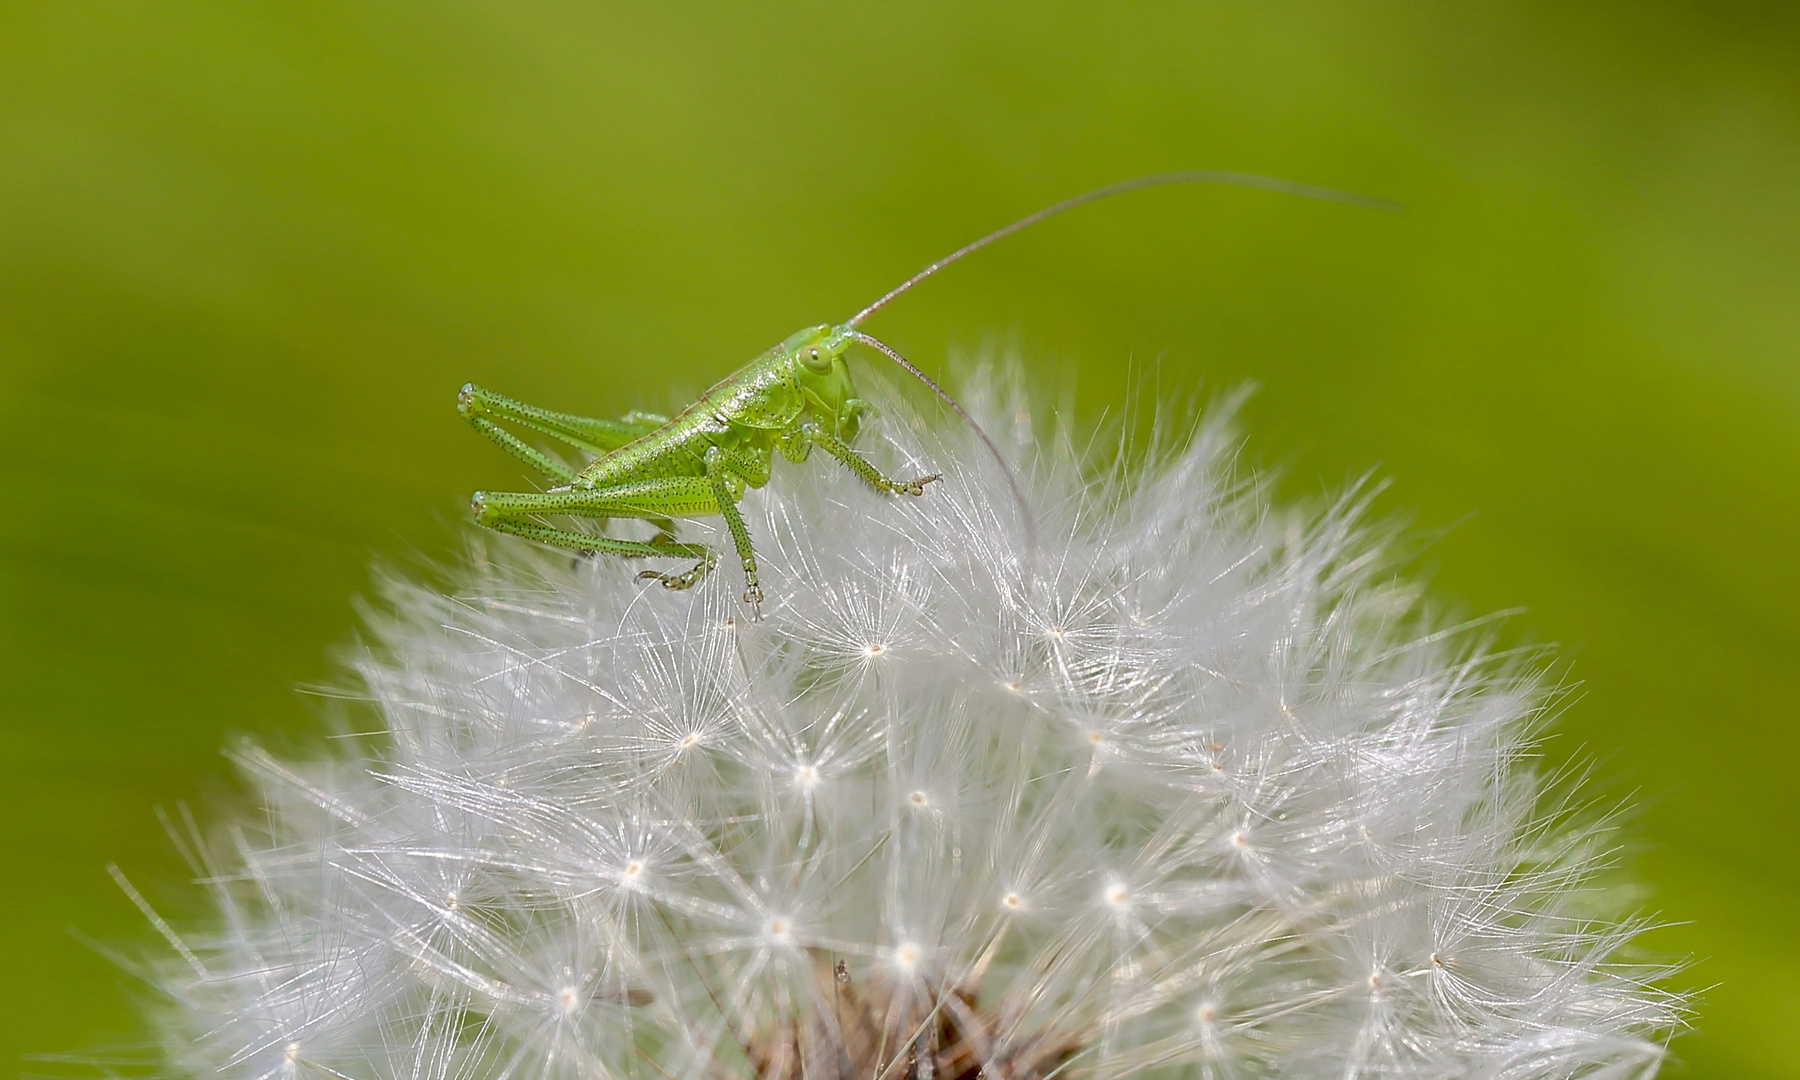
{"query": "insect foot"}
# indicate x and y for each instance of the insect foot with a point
(683, 581)
(915, 487)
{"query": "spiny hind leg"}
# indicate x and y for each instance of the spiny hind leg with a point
(481, 408)
(586, 544)
(840, 449)
(658, 501)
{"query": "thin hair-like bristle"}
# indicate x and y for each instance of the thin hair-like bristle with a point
(1214, 798)
(1235, 179)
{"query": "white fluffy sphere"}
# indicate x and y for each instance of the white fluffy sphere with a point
(1190, 791)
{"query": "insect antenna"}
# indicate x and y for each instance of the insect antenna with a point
(1235, 179)
(1012, 480)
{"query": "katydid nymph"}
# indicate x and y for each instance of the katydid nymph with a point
(793, 398)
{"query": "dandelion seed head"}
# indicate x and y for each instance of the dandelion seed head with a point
(870, 834)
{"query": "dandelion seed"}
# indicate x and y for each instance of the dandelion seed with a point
(679, 893)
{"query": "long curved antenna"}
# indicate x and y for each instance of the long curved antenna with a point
(1012, 480)
(1250, 180)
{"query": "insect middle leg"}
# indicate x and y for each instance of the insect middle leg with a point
(728, 471)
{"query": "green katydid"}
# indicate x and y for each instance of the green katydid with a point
(698, 463)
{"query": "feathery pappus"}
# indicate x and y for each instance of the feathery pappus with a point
(1194, 789)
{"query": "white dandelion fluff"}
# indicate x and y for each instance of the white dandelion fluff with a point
(1196, 793)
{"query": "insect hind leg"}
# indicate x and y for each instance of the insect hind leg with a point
(587, 544)
(659, 500)
(516, 514)
(482, 408)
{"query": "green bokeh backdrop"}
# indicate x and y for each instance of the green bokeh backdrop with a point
(249, 251)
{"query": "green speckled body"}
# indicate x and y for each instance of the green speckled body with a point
(756, 411)
(794, 397)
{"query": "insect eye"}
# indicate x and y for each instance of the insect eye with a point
(815, 359)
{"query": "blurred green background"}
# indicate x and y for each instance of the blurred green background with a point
(248, 252)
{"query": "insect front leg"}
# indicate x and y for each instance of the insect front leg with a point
(850, 417)
(840, 449)
(794, 445)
